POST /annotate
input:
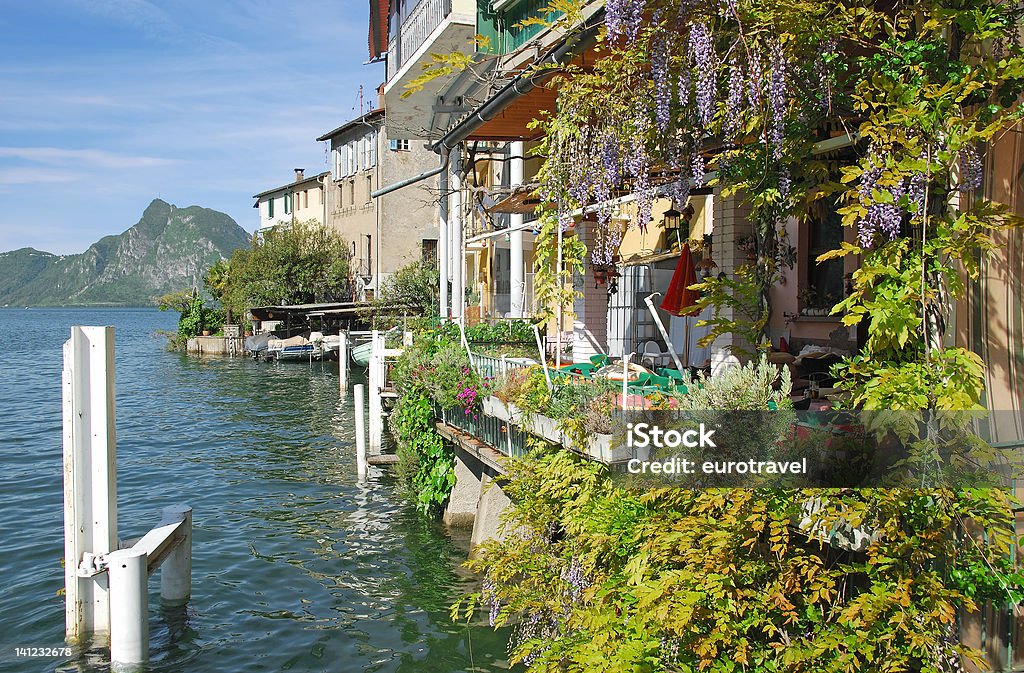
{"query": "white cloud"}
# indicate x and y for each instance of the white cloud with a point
(34, 176)
(83, 158)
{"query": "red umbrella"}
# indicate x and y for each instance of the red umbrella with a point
(679, 296)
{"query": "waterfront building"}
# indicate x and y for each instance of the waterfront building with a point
(386, 232)
(301, 200)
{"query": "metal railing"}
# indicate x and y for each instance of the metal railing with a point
(506, 438)
(493, 366)
(414, 31)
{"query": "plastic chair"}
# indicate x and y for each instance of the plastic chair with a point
(651, 353)
(675, 377)
(599, 360)
(580, 368)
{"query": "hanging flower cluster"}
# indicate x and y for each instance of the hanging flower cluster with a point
(970, 169)
(698, 83)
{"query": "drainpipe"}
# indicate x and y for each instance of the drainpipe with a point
(457, 255)
(414, 179)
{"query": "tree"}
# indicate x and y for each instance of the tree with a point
(217, 280)
(289, 264)
(414, 287)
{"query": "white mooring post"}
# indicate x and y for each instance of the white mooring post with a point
(377, 376)
(129, 608)
(176, 570)
(342, 364)
(106, 587)
(90, 479)
(357, 391)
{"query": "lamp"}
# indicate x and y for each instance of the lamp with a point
(672, 219)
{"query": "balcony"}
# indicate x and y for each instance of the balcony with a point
(502, 26)
(415, 30)
(431, 27)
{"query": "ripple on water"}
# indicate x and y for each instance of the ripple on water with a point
(296, 566)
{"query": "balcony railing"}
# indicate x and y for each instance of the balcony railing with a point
(503, 28)
(414, 31)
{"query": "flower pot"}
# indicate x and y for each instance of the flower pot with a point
(206, 332)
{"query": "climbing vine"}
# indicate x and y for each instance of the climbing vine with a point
(740, 95)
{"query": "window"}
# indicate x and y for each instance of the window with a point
(824, 286)
(287, 204)
(429, 250)
(372, 143)
(270, 207)
(343, 167)
(399, 145)
(369, 188)
(336, 163)
(352, 192)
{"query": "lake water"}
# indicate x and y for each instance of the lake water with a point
(296, 566)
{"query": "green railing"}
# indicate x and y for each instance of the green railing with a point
(506, 438)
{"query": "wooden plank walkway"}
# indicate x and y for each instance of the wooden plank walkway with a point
(382, 459)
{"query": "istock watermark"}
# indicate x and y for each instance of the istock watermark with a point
(645, 435)
(838, 449)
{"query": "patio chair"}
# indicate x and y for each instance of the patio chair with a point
(599, 360)
(580, 368)
(651, 355)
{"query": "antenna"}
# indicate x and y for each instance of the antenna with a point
(360, 100)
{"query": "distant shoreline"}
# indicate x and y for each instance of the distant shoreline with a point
(20, 307)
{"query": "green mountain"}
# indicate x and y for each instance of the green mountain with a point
(168, 249)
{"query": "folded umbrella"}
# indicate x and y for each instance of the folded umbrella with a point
(679, 297)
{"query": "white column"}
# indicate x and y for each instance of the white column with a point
(377, 381)
(342, 364)
(176, 570)
(129, 609)
(515, 239)
(458, 261)
(90, 477)
(443, 244)
(360, 409)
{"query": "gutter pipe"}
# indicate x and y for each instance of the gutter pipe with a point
(395, 186)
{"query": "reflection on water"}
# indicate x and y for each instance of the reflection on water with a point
(296, 566)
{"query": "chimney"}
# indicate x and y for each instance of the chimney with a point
(380, 97)
(300, 173)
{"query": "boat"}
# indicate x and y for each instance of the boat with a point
(296, 348)
(361, 354)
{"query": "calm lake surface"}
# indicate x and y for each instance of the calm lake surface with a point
(296, 566)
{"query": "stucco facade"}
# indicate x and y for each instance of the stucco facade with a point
(388, 232)
(299, 201)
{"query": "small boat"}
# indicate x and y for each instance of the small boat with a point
(361, 354)
(297, 348)
(301, 352)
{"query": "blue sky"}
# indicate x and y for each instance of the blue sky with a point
(108, 104)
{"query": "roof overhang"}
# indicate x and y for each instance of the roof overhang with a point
(520, 201)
